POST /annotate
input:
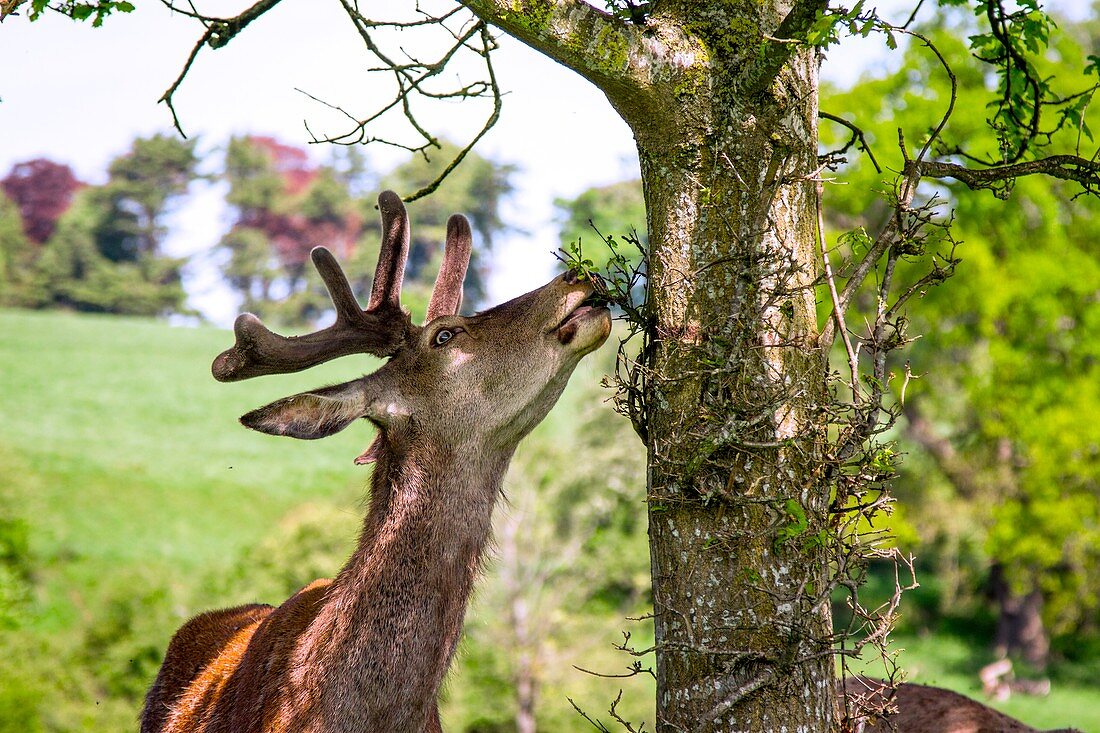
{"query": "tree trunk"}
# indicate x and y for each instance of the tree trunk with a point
(523, 641)
(742, 624)
(723, 105)
(524, 677)
(1020, 630)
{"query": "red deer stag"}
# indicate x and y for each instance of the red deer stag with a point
(367, 651)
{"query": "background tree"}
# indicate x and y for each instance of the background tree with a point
(71, 271)
(101, 246)
(142, 187)
(1007, 366)
(286, 205)
(476, 188)
(615, 209)
(42, 190)
(17, 254)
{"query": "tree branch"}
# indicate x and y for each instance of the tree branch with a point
(219, 32)
(857, 138)
(413, 80)
(8, 7)
(838, 314)
(906, 190)
(1065, 167)
(779, 46)
(598, 46)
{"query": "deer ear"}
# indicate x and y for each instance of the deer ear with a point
(310, 415)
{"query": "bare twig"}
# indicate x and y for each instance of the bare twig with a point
(838, 312)
(857, 137)
(414, 78)
(219, 32)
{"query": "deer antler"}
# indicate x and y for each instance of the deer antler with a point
(447, 293)
(378, 330)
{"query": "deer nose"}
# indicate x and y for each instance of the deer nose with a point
(571, 277)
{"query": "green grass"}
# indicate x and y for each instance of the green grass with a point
(123, 449)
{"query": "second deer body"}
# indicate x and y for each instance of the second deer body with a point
(924, 709)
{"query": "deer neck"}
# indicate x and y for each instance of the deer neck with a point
(394, 614)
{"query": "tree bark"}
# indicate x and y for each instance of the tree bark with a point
(742, 628)
(724, 115)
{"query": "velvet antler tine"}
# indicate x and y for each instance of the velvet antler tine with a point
(447, 293)
(393, 252)
(234, 363)
(339, 290)
(259, 351)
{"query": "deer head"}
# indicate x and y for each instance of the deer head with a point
(481, 381)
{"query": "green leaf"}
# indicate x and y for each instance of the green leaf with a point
(798, 524)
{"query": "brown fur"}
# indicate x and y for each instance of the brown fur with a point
(923, 709)
(367, 652)
(192, 649)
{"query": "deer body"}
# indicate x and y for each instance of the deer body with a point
(368, 650)
(924, 709)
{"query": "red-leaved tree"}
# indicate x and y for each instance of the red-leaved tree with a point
(43, 190)
(285, 206)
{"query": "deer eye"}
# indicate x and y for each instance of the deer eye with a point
(444, 335)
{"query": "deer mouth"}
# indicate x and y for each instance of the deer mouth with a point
(590, 307)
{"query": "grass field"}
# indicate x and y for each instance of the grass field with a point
(123, 450)
(141, 494)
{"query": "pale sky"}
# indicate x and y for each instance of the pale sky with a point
(79, 95)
